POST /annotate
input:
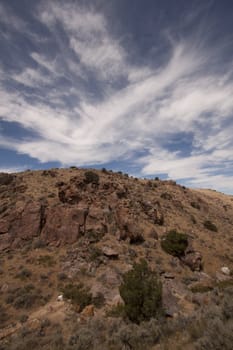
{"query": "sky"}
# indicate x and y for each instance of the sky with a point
(139, 86)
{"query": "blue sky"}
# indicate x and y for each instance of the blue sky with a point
(145, 87)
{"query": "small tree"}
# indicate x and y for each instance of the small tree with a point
(175, 243)
(142, 293)
(78, 294)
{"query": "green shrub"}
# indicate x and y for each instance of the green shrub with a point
(91, 177)
(193, 219)
(46, 260)
(24, 274)
(98, 300)
(26, 297)
(78, 294)
(142, 293)
(166, 195)
(175, 243)
(95, 253)
(210, 226)
(62, 276)
(116, 311)
(195, 205)
(199, 288)
(225, 284)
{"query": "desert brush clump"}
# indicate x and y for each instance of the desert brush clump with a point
(209, 225)
(175, 243)
(26, 297)
(166, 195)
(195, 205)
(78, 294)
(141, 291)
(91, 178)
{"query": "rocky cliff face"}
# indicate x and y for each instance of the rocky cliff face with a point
(60, 206)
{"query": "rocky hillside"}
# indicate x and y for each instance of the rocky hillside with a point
(59, 227)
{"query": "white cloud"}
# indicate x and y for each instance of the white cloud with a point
(10, 20)
(89, 37)
(184, 96)
(44, 62)
(14, 169)
(31, 77)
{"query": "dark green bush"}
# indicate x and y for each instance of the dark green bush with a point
(201, 288)
(193, 219)
(24, 274)
(95, 253)
(210, 226)
(91, 178)
(78, 294)
(195, 205)
(98, 300)
(166, 195)
(46, 260)
(141, 291)
(62, 276)
(26, 297)
(175, 243)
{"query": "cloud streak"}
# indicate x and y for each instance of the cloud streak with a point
(91, 105)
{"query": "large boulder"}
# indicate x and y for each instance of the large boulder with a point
(111, 253)
(69, 194)
(27, 224)
(129, 229)
(64, 224)
(193, 260)
(170, 301)
(225, 270)
(22, 223)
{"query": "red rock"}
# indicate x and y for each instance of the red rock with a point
(62, 224)
(88, 311)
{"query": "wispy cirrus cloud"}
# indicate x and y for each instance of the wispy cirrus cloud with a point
(10, 20)
(89, 104)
